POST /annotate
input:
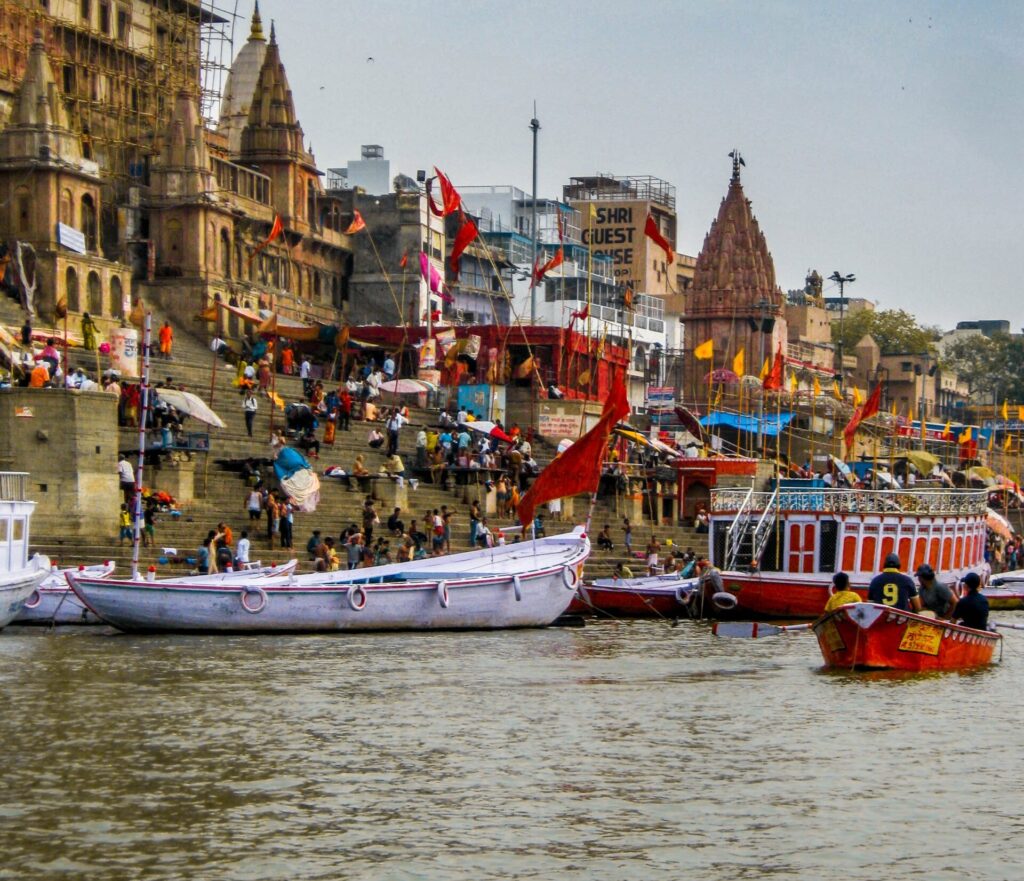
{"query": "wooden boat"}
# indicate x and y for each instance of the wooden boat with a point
(777, 551)
(53, 602)
(526, 584)
(872, 636)
(1005, 591)
(19, 575)
(657, 596)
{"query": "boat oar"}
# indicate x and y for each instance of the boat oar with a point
(1006, 625)
(752, 629)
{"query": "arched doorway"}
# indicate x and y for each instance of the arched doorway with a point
(695, 495)
(95, 294)
(116, 297)
(71, 290)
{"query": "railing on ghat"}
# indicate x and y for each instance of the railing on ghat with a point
(13, 485)
(947, 502)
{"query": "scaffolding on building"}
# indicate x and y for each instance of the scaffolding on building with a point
(609, 187)
(119, 68)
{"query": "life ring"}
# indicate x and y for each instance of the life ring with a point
(442, 594)
(724, 601)
(357, 598)
(261, 593)
(34, 599)
(569, 578)
(517, 588)
(685, 597)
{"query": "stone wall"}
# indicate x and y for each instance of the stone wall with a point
(67, 441)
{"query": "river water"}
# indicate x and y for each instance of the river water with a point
(615, 751)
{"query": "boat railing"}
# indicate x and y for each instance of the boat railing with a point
(13, 486)
(737, 529)
(944, 501)
(762, 532)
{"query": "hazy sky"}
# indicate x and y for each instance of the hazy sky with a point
(882, 139)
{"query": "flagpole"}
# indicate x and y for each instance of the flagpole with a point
(535, 128)
(143, 412)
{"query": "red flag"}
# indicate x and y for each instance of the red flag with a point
(654, 234)
(540, 271)
(578, 469)
(356, 225)
(404, 261)
(450, 198)
(275, 231)
(773, 381)
(466, 234)
(869, 408)
(582, 315)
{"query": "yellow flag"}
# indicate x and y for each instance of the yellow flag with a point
(892, 409)
(857, 399)
(1008, 442)
(738, 364)
(965, 435)
(836, 391)
(705, 351)
(765, 368)
(910, 414)
(817, 387)
(793, 383)
(991, 438)
(593, 211)
(583, 378)
(1020, 412)
(949, 425)
(1006, 411)
(718, 397)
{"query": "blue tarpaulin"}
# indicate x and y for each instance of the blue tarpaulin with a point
(289, 461)
(770, 425)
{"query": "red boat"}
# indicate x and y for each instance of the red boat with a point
(777, 551)
(872, 636)
(658, 596)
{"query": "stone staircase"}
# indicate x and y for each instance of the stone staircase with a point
(220, 494)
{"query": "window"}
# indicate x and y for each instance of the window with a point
(71, 289)
(86, 9)
(68, 73)
(67, 208)
(225, 254)
(116, 297)
(123, 23)
(89, 222)
(174, 240)
(95, 294)
(23, 206)
(906, 366)
(105, 18)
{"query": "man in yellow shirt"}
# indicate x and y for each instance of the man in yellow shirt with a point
(842, 595)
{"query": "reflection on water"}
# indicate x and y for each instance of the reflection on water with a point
(614, 751)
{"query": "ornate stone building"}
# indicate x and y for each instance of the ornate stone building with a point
(734, 299)
(51, 199)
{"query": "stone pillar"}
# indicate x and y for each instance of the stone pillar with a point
(176, 478)
(391, 496)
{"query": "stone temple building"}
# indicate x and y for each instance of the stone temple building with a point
(734, 299)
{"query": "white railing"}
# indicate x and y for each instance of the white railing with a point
(856, 501)
(737, 529)
(13, 485)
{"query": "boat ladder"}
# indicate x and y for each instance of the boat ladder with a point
(748, 534)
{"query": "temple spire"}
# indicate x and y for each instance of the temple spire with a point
(256, 31)
(737, 161)
(273, 36)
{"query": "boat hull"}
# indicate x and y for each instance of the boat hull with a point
(656, 597)
(511, 591)
(875, 637)
(17, 586)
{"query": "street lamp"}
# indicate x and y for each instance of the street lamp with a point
(842, 281)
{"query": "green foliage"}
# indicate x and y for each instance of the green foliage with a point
(895, 330)
(991, 366)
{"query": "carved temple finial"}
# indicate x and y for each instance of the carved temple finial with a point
(737, 161)
(256, 31)
(273, 34)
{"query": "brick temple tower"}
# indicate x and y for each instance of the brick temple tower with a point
(734, 299)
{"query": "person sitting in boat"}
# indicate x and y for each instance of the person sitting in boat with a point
(892, 588)
(841, 594)
(703, 521)
(710, 578)
(622, 571)
(972, 608)
(936, 599)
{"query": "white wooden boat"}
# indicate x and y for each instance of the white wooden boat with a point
(19, 575)
(53, 602)
(526, 584)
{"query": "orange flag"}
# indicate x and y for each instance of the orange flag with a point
(450, 198)
(357, 224)
(870, 408)
(275, 231)
(579, 467)
(466, 234)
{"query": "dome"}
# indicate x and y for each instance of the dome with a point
(241, 84)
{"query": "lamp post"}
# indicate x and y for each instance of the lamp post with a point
(842, 281)
(535, 128)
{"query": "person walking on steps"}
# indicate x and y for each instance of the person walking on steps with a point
(249, 407)
(166, 336)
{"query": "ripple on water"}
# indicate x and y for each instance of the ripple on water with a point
(612, 751)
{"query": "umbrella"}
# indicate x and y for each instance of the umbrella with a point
(843, 468)
(488, 428)
(922, 461)
(690, 422)
(722, 374)
(190, 404)
(407, 386)
(998, 524)
(564, 444)
(631, 434)
(981, 474)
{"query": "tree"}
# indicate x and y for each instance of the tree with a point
(895, 331)
(992, 367)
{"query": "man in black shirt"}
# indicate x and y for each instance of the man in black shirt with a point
(972, 608)
(892, 588)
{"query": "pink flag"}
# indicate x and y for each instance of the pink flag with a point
(430, 275)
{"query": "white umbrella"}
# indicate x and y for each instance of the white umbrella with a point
(407, 386)
(564, 444)
(190, 404)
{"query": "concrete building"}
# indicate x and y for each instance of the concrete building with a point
(371, 173)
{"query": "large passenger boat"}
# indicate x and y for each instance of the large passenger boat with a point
(19, 575)
(777, 551)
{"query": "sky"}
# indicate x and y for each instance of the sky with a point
(881, 139)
